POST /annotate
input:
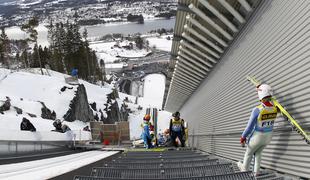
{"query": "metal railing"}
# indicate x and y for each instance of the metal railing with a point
(32, 142)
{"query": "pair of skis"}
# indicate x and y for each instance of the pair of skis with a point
(293, 122)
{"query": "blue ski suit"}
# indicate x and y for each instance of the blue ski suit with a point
(147, 139)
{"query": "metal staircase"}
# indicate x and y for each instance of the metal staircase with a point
(170, 164)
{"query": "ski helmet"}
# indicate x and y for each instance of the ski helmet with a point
(147, 117)
(263, 91)
(176, 114)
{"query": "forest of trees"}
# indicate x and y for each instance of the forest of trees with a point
(135, 18)
(68, 49)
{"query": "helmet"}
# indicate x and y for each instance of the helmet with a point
(147, 117)
(57, 121)
(263, 91)
(176, 114)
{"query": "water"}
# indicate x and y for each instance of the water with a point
(129, 28)
(98, 30)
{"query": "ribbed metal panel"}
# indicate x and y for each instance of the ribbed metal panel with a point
(274, 47)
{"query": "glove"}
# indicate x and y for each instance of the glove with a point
(242, 141)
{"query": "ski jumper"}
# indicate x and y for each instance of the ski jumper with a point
(146, 135)
(259, 130)
(177, 131)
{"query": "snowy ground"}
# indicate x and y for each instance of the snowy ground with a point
(153, 91)
(161, 42)
(154, 88)
(27, 88)
(52, 167)
(109, 53)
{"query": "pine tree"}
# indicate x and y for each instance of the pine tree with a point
(29, 28)
(4, 48)
(24, 58)
(59, 49)
(139, 42)
(17, 57)
(35, 62)
(2, 61)
(51, 35)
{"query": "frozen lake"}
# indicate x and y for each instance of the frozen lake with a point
(99, 30)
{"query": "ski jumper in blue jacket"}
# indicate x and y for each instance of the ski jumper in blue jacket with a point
(259, 129)
(147, 139)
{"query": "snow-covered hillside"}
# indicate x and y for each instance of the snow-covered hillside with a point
(27, 89)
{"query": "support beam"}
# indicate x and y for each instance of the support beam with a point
(185, 83)
(182, 54)
(181, 88)
(203, 61)
(210, 21)
(188, 82)
(234, 12)
(184, 8)
(246, 5)
(191, 47)
(177, 37)
(186, 79)
(205, 30)
(219, 15)
(190, 73)
(187, 62)
(199, 36)
(202, 46)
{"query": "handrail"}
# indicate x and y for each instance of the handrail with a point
(275, 130)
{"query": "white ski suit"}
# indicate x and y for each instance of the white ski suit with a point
(259, 130)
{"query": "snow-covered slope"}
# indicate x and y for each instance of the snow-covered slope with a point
(26, 88)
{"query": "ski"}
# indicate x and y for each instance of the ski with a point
(292, 121)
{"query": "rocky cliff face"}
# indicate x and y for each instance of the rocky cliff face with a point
(79, 107)
(114, 113)
(47, 113)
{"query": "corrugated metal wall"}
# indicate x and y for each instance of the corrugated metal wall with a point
(275, 47)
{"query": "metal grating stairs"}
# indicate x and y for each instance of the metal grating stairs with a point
(170, 164)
